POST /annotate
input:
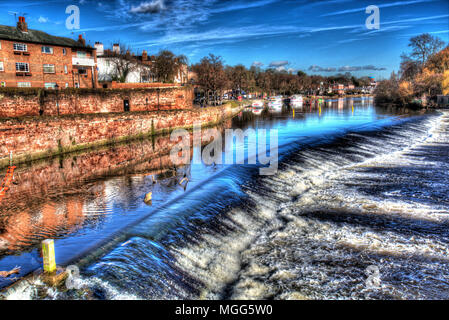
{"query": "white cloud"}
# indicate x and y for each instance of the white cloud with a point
(386, 5)
(278, 64)
(243, 6)
(316, 68)
(221, 34)
(154, 6)
(42, 19)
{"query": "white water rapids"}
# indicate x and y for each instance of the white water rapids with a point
(373, 200)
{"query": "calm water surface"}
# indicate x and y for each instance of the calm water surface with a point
(357, 187)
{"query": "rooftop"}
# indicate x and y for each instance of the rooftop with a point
(36, 36)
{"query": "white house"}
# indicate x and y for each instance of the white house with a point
(107, 62)
(141, 66)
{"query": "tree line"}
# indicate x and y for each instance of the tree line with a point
(214, 78)
(423, 74)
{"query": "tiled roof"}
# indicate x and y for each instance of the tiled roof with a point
(35, 36)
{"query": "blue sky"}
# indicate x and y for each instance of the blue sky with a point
(322, 37)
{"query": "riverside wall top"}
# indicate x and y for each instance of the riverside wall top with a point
(21, 102)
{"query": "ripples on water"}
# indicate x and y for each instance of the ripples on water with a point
(352, 191)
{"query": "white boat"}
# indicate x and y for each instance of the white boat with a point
(257, 103)
(296, 101)
(257, 110)
(275, 104)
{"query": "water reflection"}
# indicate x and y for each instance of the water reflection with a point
(82, 197)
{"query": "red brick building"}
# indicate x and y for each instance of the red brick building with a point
(32, 58)
(338, 88)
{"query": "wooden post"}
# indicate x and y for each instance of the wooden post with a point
(48, 252)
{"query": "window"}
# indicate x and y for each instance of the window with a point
(48, 50)
(20, 47)
(24, 84)
(77, 85)
(1, 66)
(81, 54)
(22, 67)
(66, 85)
(49, 68)
(50, 85)
(65, 70)
(64, 51)
(3, 84)
(82, 71)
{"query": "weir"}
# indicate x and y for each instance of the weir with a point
(239, 227)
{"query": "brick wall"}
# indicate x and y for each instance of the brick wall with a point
(31, 138)
(117, 85)
(33, 102)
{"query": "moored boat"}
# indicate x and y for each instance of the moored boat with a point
(296, 101)
(257, 103)
(275, 104)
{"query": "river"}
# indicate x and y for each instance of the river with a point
(357, 210)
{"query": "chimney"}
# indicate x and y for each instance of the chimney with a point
(81, 40)
(144, 55)
(22, 25)
(100, 48)
(116, 48)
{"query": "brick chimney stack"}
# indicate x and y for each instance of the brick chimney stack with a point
(22, 25)
(100, 48)
(144, 55)
(81, 40)
(116, 48)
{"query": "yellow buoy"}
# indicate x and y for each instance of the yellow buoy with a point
(48, 253)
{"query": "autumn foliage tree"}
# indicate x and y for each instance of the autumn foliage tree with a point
(428, 83)
(422, 73)
(405, 92)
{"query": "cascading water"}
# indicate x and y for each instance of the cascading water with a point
(357, 210)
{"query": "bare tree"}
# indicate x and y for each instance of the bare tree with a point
(122, 63)
(409, 68)
(167, 66)
(423, 46)
(211, 77)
